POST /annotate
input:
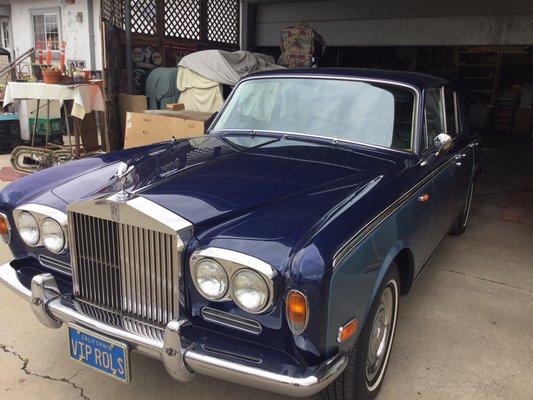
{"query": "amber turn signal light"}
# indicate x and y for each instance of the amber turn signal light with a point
(4, 228)
(297, 311)
(347, 331)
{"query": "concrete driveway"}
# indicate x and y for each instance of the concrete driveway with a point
(465, 331)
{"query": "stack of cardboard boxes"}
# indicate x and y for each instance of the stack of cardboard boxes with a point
(142, 127)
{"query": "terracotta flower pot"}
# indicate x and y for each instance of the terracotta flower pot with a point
(52, 76)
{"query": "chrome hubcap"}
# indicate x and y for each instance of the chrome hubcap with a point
(380, 334)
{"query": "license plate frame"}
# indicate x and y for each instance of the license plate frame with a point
(96, 342)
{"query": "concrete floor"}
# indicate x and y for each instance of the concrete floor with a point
(465, 331)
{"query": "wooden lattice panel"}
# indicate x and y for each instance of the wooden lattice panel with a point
(223, 21)
(113, 11)
(182, 19)
(143, 16)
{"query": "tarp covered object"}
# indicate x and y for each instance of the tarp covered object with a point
(161, 87)
(227, 67)
(199, 93)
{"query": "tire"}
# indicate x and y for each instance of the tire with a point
(359, 381)
(460, 226)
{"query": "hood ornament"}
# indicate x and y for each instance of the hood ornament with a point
(121, 175)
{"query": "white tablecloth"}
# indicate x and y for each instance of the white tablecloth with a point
(86, 97)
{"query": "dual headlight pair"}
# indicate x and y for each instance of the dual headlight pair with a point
(221, 275)
(36, 228)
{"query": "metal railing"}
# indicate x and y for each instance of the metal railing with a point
(12, 66)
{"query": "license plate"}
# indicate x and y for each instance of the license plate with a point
(99, 352)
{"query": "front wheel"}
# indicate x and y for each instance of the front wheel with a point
(367, 361)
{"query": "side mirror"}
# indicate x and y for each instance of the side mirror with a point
(443, 143)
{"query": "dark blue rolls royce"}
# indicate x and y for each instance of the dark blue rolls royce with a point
(270, 252)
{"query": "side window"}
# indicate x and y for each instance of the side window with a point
(449, 99)
(433, 116)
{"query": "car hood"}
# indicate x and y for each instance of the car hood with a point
(212, 179)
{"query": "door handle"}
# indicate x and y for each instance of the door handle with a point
(458, 159)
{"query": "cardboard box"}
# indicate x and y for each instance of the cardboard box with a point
(200, 116)
(175, 106)
(132, 103)
(147, 128)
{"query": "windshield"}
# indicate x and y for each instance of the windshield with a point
(364, 112)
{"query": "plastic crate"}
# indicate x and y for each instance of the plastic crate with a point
(56, 127)
(9, 132)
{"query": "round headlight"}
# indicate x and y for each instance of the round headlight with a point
(250, 291)
(52, 235)
(211, 279)
(28, 228)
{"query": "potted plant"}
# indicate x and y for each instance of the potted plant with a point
(51, 75)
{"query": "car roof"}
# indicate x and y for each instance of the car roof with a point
(416, 79)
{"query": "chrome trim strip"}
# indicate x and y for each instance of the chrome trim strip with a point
(186, 360)
(233, 261)
(46, 211)
(351, 243)
(416, 107)
(231, 320)
(53, 264)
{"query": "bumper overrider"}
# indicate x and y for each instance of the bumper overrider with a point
(182, 361)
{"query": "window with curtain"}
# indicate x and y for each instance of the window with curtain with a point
(46, 25)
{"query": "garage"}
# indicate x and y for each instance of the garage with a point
(466, 327)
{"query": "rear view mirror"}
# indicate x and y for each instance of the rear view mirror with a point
(443, 143)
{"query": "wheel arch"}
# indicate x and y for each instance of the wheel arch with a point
(405, 262)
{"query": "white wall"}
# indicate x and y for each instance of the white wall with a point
(402, 22)
(75, 34)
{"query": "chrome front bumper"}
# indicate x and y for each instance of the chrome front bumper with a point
(52, 309)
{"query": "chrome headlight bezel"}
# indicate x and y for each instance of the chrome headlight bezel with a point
(44, 235)
(260, 281)
(225, 281)
(40, 213)
(233, 262)
(23, 226)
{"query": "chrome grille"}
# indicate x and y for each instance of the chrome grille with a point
(125, 268)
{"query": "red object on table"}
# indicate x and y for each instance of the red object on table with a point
(49, 51)
(62, 58)
(40, 51)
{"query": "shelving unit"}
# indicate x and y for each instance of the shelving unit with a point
(482, 69)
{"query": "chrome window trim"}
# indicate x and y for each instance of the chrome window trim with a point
(444, 113)
(458, 127)
(40, 213)
(414, 89)
(232, 262)
(351, 243)
(6, 238)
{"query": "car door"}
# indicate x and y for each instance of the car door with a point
(463, 151)
(441, 167)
